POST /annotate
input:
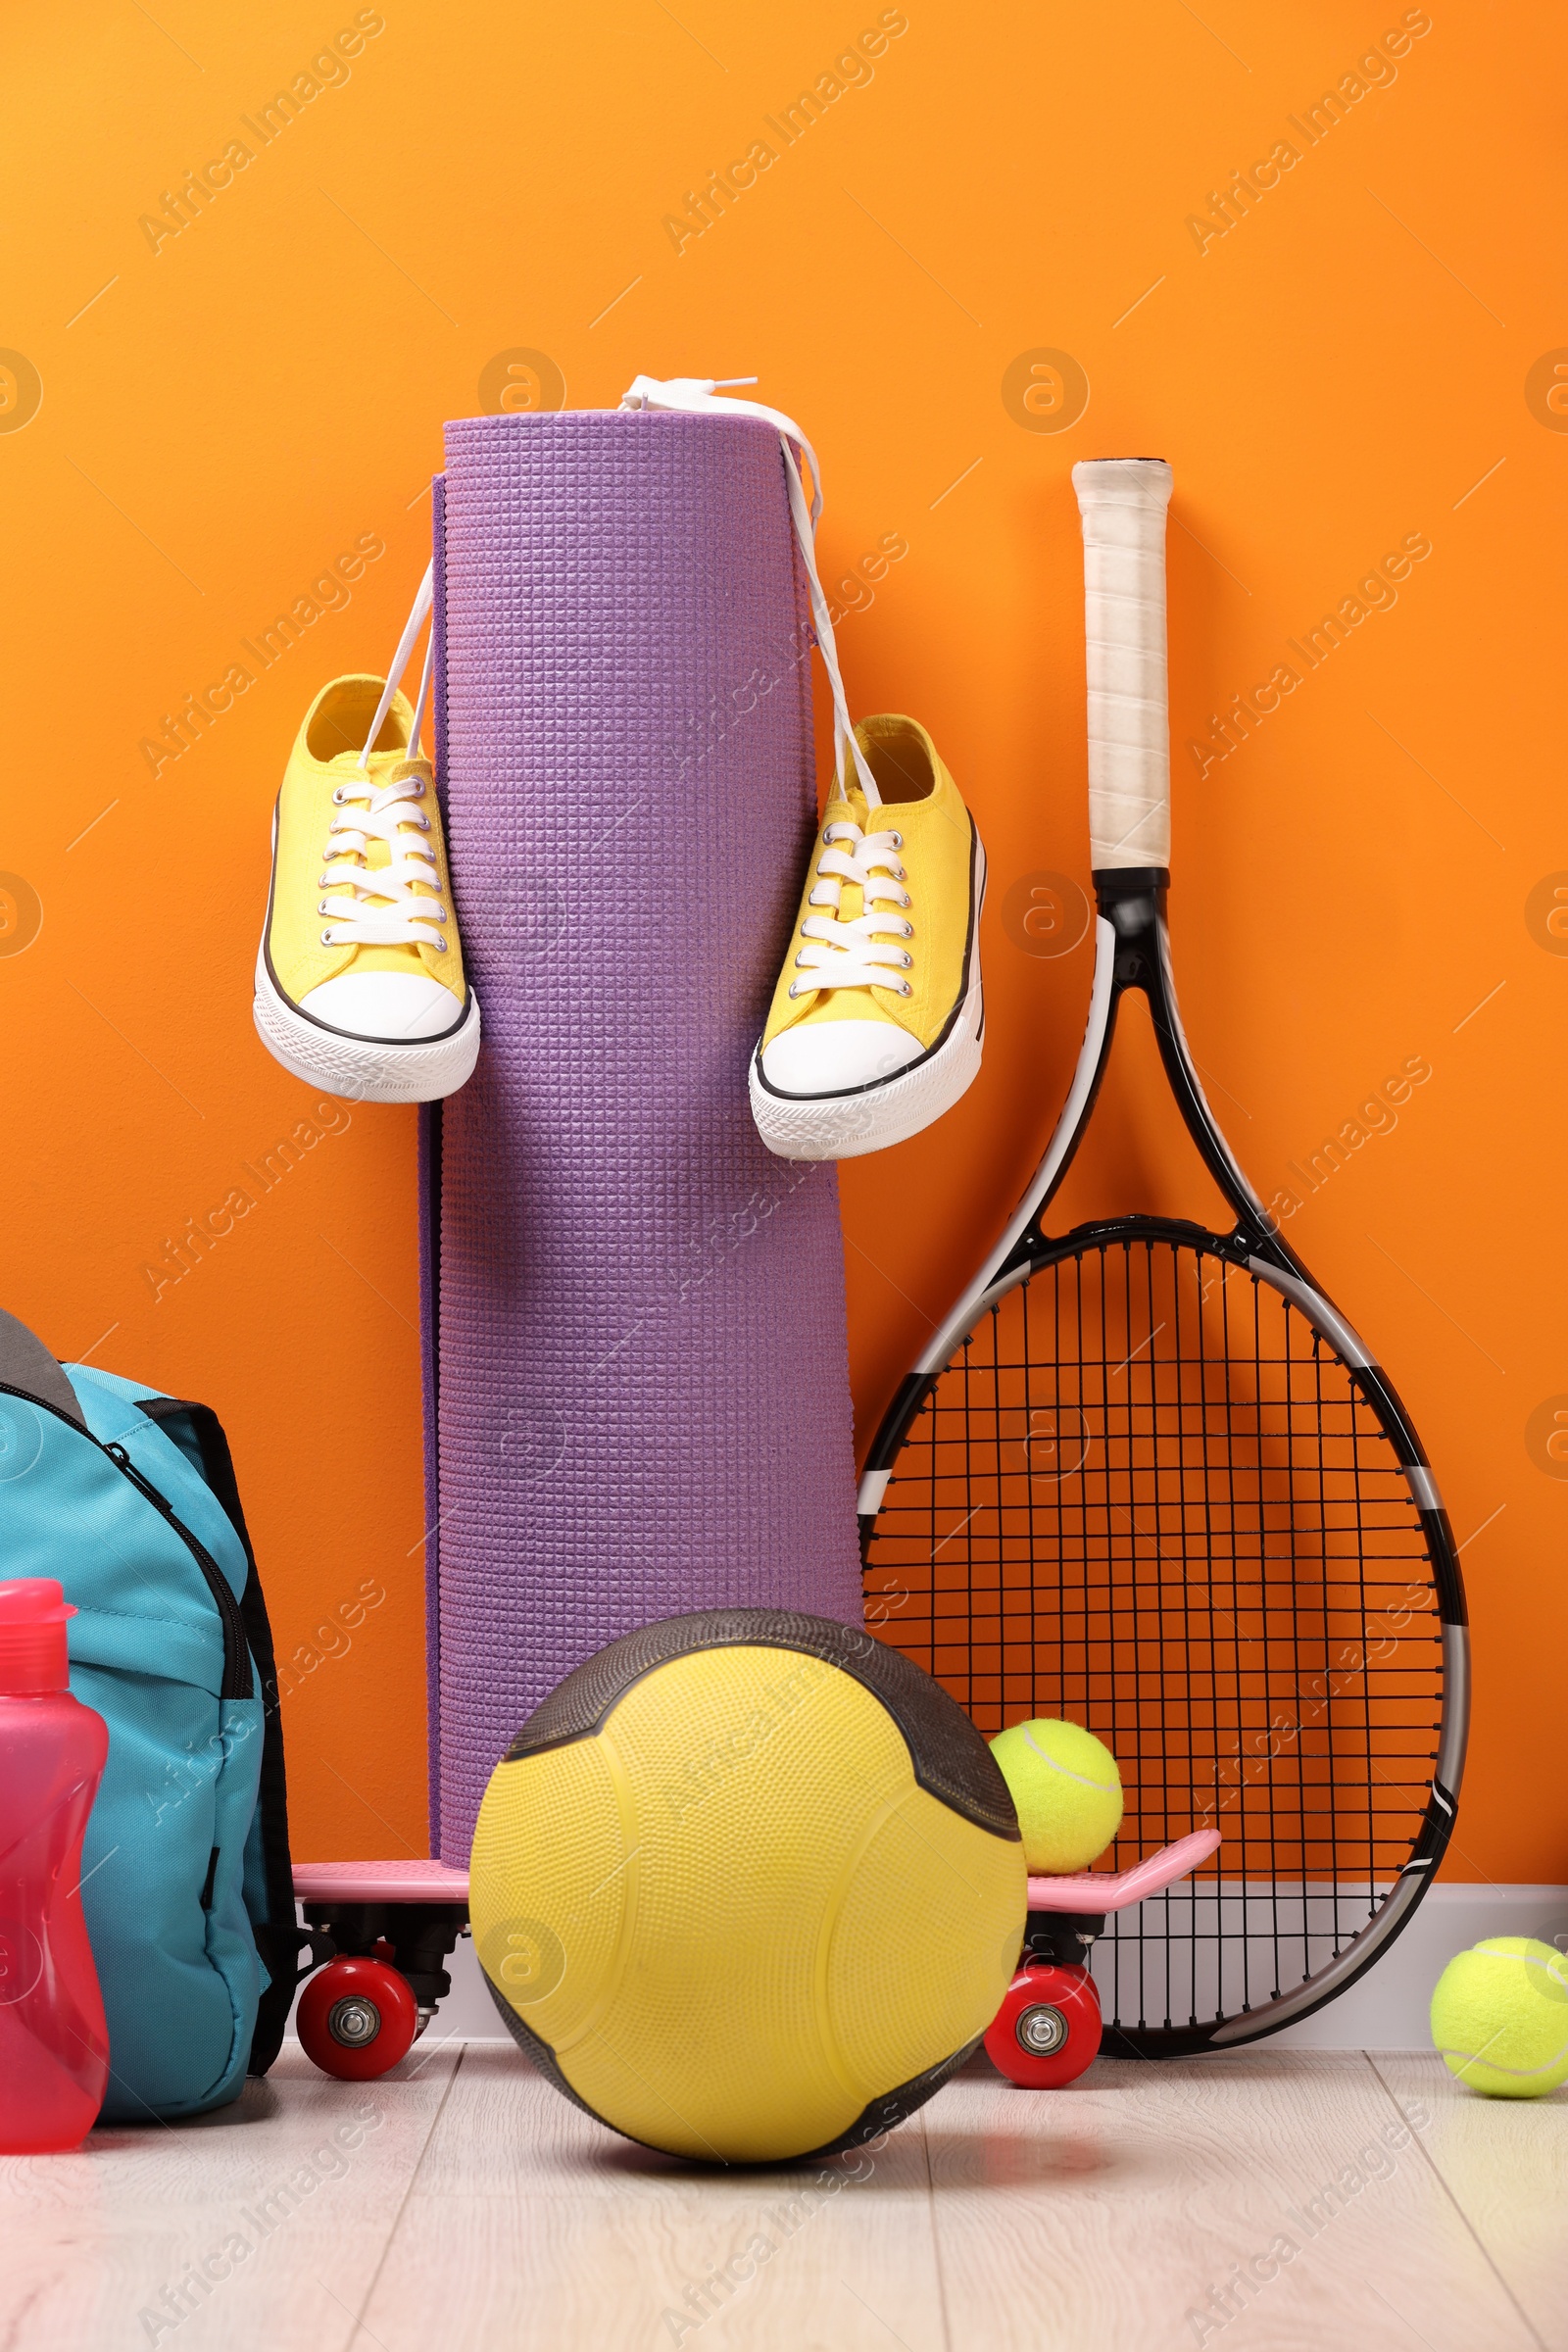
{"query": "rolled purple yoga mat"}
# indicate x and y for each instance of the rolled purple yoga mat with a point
(637, 1384)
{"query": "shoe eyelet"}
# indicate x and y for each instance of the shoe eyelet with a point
(321, 908)
(897, 840)
(337, 796)
(905, 990)
(441, 947)
(908, 962)
(792, 988)
(326, 939)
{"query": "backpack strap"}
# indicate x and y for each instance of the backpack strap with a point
(278, 1938)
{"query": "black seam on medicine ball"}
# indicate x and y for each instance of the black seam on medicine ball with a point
(545, 2059)
(885, 2114)
(894, 2107)
(951, 1759)
(543, 2056)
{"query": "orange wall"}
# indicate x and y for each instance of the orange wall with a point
(1365, 881)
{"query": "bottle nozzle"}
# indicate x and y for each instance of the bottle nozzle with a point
(33, 1658)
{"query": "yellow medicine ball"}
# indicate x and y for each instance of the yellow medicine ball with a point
(748, 1885)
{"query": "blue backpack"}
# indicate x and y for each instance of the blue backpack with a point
(128, 1497)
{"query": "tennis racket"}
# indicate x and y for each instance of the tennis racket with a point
(1146, 1477)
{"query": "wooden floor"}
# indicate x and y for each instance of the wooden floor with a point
(460, 2203)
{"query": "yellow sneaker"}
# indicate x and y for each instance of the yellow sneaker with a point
(359, 986)
(876, 1024)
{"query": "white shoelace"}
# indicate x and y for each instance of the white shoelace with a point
(697, 396)
(423, 602)
(385, 813)
(861, 952)
(389, 814)
(865, 952)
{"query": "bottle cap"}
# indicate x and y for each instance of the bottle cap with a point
(34, 1610)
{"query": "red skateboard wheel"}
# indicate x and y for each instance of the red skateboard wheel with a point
(1047, 2029)
(356, 2018)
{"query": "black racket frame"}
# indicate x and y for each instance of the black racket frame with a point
(1132, 900)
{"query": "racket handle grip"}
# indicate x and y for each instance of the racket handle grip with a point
(1123, 503)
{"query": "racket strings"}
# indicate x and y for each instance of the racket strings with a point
(1147, 1497)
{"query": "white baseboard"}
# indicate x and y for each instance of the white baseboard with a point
(1386, 2011)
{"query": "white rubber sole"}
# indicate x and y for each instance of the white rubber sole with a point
(847, 1126)
(364, 1069)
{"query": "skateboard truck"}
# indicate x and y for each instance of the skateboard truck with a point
(388, 1928)
(1047, 2029)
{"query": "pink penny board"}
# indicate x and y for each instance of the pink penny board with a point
(1092, 1890)
(379, 1883)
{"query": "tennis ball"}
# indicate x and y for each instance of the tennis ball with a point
(1499, 2017)
(1067, 1789)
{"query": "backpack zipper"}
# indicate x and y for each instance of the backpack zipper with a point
(237, 1682)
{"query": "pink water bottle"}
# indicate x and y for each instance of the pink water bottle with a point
(54, 2046)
